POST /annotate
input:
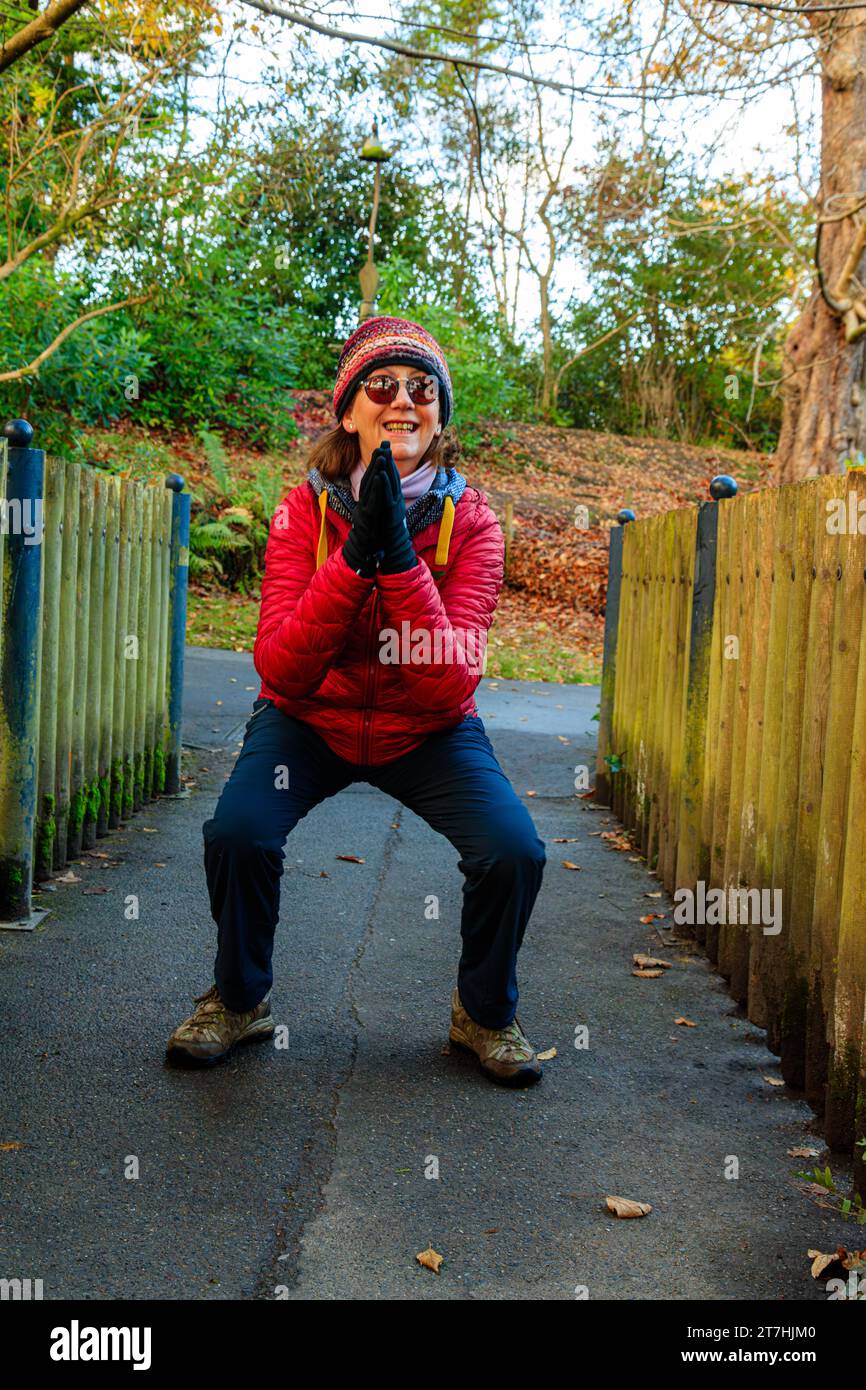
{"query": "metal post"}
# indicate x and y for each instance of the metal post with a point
(21, 586)
(603, 788)
(180, 509)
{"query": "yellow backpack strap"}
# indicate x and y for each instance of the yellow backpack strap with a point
(322, 552)
(446, 526)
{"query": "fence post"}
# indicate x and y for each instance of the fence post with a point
(603, 789)
(21, 587)
(180, 509)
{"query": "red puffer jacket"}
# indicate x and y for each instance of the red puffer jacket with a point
(322, 627)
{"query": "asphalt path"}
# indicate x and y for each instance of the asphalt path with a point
(320, 1169)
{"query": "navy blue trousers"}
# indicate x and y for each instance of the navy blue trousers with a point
(452, 780)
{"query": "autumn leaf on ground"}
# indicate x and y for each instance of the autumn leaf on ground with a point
(653, 895)
(803, 1153)
(774, 1080)
(647, 974)
(429, 1259)
(566, 840)
(586, 796)
(567, 864)
(350, 858)
(94, 891)
(625, 1207)
(650, 962)
(149, 829)
(821, 1262)
(68, 877)
(685, 1023)
(546, 1056)
(10, 1145)
(651, 917)
(532, 793)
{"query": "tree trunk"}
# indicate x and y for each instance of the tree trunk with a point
(824, 399)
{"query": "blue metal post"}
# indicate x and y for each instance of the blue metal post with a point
(180, 509)
(21, 589)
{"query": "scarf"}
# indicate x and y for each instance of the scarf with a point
(414, 484)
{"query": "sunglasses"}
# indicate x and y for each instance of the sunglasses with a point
(382, 389)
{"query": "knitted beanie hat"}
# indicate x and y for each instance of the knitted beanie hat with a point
(381, 340)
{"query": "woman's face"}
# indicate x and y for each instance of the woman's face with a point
(372, 423)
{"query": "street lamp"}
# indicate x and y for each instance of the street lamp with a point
(369, 277)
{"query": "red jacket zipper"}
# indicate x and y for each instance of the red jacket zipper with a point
(366, 738)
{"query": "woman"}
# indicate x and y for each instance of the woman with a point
(372, 616)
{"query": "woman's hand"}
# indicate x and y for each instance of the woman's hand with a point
(364, 545)
(399, 551)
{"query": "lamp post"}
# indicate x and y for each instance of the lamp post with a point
(369, 276)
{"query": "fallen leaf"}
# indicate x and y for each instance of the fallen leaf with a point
(157, 864)
(350, 858)
(647, 974)
(10, 1145)
(652, 895)
(567, 864)
(803, 1153)
(685, 1022)
(822, 1261)
(149, 829)
(566, 840)
(68, 877)
(93, 891)
(624, 1206)
(322, 874)
(651, 917)
(429, 1259)
(532, 793)
(774, 1080)
(546, 1056)
(650, 961)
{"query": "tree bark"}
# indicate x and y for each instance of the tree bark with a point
(824, 393)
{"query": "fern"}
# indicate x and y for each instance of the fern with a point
(215, 454)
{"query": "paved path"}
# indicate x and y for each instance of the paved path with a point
(301, 1172)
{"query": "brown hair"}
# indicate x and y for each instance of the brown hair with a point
(336, 452)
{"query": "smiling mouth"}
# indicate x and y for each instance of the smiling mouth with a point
(400, 426)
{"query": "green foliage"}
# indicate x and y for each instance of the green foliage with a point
(487, 369)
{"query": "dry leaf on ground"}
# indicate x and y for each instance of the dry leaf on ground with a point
(68, 877)
(567, 864)
(774, 1080)
(546, 1056)
(350, 858)
(821, 1261)
(647, 974)
(685, 1022)
(650, 962)
(429, 1259)
(803, 1153)
(10, 1145)
(624, 1206)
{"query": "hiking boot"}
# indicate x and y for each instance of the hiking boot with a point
(212, 1030)
(505, 1054)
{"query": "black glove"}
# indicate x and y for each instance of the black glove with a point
(363, 546)
(399, 552)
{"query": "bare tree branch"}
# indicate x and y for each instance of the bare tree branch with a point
(43, 27)
(350, 36)
(34, 366)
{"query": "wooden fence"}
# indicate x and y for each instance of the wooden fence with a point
(93, 582)
(732, 742)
